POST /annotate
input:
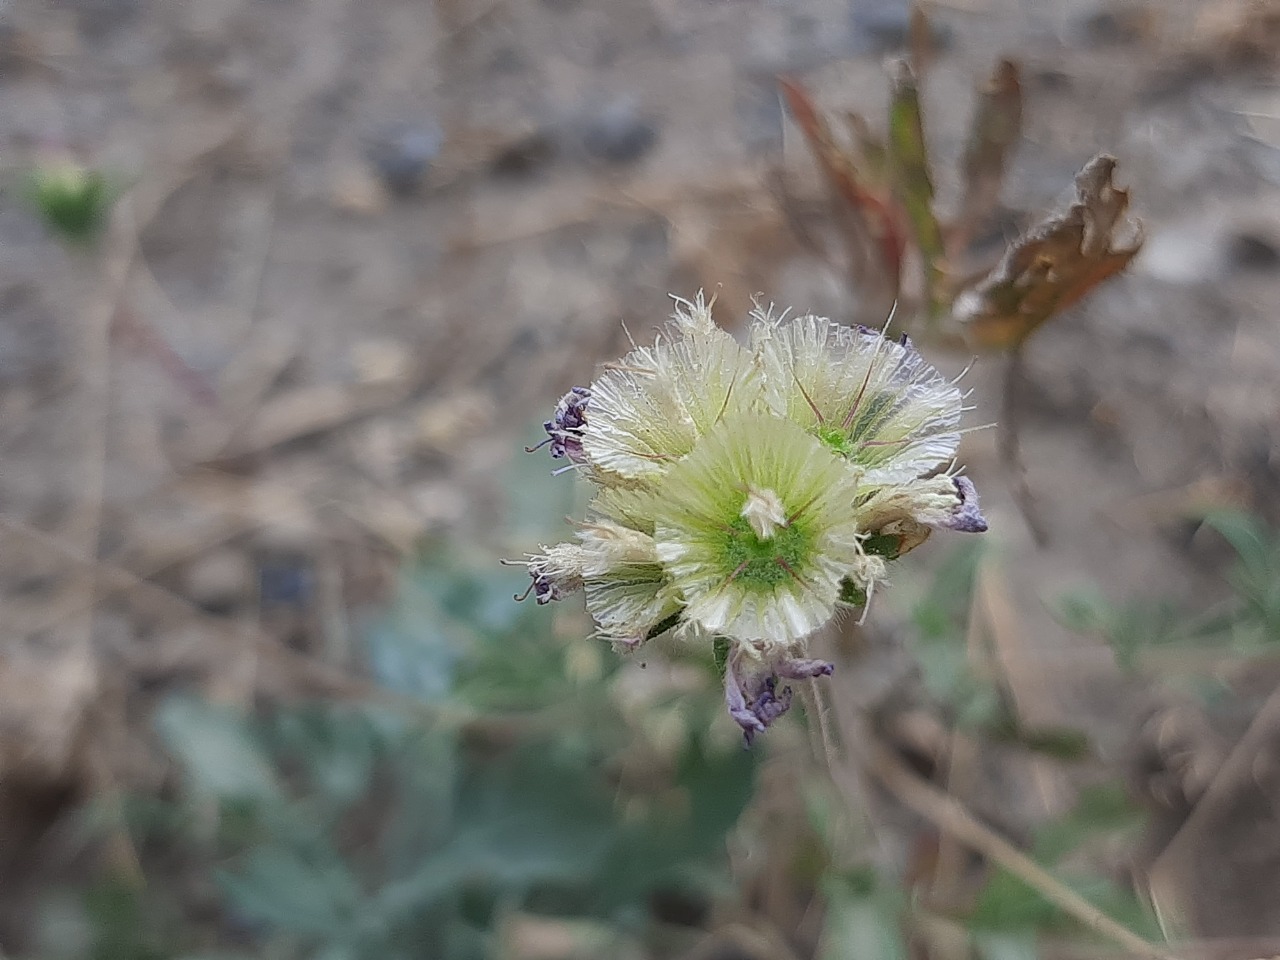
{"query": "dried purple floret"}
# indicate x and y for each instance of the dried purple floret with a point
(564, 430)
(968, 517)
(753, 696)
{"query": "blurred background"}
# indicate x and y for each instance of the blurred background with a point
(286, 286)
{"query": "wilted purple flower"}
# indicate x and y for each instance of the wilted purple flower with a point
(752, 694)
(968, 517)
(564, 430)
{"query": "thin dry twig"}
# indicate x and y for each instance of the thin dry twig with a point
(1010, 448)
(951, 816)
(948, 814)
(331, 680)
(1163, 883)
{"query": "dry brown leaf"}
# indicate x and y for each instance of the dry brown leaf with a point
(1055, 264)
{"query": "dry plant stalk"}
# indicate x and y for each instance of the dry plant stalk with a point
(873, 228)
(881, 195)
(950, 816)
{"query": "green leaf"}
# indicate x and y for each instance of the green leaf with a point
(862, 923)
(1102, 809)
(278, 887)
(218, 750)
(852, 594)
(1128, 629)
(1256, 578)
(940, 615)
(720, 648)
(336, 745)
(1007, 904)
(424, 775)
(1061, 743)
(1247, 536)
(122, 922)
(73, 200)
(530, 818)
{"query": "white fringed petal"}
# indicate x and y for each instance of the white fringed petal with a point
(649, 408)
(875, 401)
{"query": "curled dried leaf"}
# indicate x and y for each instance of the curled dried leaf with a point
(1054, 265)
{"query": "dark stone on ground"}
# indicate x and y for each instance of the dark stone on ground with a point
(527, 154)
(1116, 26)
(402, 155)
(618, 132)
(1251, 252)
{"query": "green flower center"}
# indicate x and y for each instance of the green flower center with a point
(763, 564)
(834, 437)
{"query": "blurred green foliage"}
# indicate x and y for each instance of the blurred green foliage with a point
(1254, 616)
(73, 200)
(1009, 909)
(978, 705)
(374, 831)
(1246, 624)
(498, 775)
(1008, 916)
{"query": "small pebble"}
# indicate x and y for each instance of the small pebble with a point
(618, 133)
(403, 154)
(1051, 79)
(1251, 252)
(525, 154)
(284, 583)
(220, 580)
(1118, 26)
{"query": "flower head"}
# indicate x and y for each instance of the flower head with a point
(748, 493)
